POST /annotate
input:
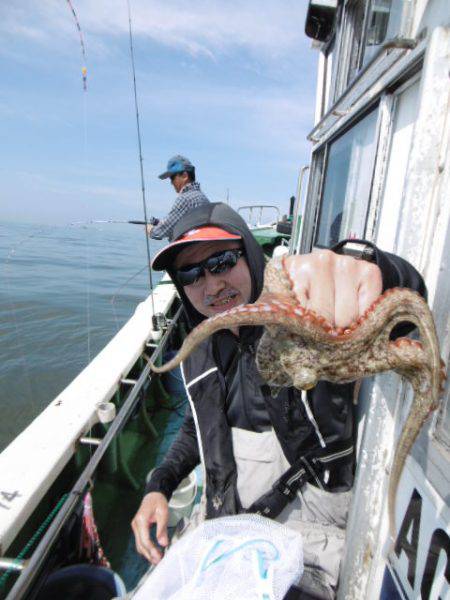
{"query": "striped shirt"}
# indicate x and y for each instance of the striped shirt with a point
(190, 197)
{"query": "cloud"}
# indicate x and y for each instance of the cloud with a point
(270, 114)
(228, 83)
(207, 26)
(267, 29)
(255, 31)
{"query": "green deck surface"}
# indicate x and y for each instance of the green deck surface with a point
(269, 236)
(115, 499)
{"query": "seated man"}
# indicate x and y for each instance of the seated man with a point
(182, 176)
(246, 438)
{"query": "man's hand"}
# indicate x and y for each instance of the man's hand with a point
(154, 508)
(337, 287)
(149, 229)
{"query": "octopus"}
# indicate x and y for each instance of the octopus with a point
(298, 348)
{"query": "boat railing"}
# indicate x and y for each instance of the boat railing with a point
(255, 213)
(25, 581)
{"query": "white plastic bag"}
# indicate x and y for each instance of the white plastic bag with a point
(240, 557)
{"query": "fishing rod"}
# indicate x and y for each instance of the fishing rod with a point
(104, 221)
(141, 162)
(83, 47)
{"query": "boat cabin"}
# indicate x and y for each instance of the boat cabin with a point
(379, 171)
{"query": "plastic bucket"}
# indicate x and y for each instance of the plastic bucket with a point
(183, 499)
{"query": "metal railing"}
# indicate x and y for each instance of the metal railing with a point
(258, 209)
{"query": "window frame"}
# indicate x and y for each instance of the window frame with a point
(372, 108)
(345, 44)
(319, 164)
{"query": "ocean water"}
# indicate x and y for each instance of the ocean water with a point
(64, 292)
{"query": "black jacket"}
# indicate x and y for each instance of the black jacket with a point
(225, 390)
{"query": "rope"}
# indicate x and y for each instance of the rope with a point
(32, 541)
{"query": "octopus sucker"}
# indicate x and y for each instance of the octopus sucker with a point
(299, 348)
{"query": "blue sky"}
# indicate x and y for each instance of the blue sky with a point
(230, 84)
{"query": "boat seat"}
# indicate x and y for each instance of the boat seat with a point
(80, 582)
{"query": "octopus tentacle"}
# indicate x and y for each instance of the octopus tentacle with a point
(259, 313)
(426, 382)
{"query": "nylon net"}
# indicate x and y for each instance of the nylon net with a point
(243, 556)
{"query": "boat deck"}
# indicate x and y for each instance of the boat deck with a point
(115, 503)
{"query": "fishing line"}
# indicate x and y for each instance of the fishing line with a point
(104, 221)
(119, 289)
(88, 247)
(122, 285)
(88, 254)
(85, 162)
(140, 155)
(88, 297)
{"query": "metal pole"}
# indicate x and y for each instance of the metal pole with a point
(296, 230)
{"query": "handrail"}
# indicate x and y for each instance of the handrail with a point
(25, 580)
(261, 207)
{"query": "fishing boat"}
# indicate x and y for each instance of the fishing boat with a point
(379, 171)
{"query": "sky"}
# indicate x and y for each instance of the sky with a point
(229, 84)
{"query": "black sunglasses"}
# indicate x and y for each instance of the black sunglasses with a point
(220, 262)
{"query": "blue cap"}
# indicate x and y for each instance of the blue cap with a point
(177, 164)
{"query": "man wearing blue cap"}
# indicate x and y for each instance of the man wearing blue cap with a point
(182, 176)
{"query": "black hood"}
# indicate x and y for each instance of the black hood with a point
(221, 215)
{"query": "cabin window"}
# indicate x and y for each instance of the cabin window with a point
(347, 183)
(355, 20)
(383, 23)
(330, 75)
(351, 41)
(366, 26)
